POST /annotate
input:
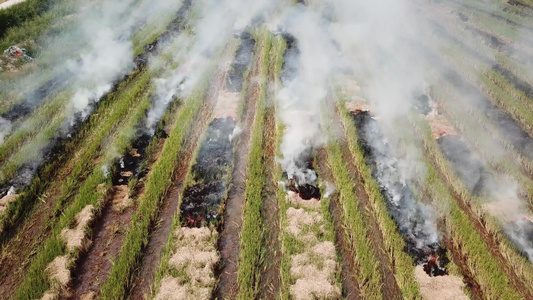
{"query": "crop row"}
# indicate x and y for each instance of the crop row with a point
(479, 125)
(460, 227)
(473, 132)
(36, 281)
(157, 183)
(85, 147)
(251, 236)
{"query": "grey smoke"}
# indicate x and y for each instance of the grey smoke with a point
(300, 99)
(218, 20)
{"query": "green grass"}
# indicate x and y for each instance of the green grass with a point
(367, 266)
(252, 233)
(475, 125)
(90, 192)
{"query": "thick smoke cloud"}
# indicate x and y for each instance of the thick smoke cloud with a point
(300, 99)
(107, 30)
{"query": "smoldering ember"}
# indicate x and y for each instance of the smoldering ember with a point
(267, 149)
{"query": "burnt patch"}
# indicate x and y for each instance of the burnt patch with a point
(422, 104)
(466, 165)
(305, 181)
(491, 15)
(290, 58)
(17, 111)
(201, 204)
(489, 39)
(129, 165)
(414, 219)
(519, 4)
(507, 126)
(518, 83)
(243, 58)
(32, 99)
(176, 26)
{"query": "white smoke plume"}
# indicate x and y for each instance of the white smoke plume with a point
(218, 20)
(107, 30)
(300, 99)
(384, 42)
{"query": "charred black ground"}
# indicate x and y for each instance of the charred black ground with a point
(240, 64)
(176, 26)
(128, 166)
(410, 215)
(465, 164)
(201, 204)
(306, 190)
(304, 163)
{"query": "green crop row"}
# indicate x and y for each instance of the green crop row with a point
(90, 192)
(156, 186)
(480, 130)
(473, 126)
(493, 9)
(252, 232)
(28, 17)
(35, 124)
(487, 271)
(367, 265)
(492, 225)
(461, 32)
(287, 248)
(112, 109)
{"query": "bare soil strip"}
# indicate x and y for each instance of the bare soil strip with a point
(349, 282)
(94, 267)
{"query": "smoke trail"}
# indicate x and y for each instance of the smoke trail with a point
(107, 30)
(305, 86)
(104, 55)
(218, 20)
